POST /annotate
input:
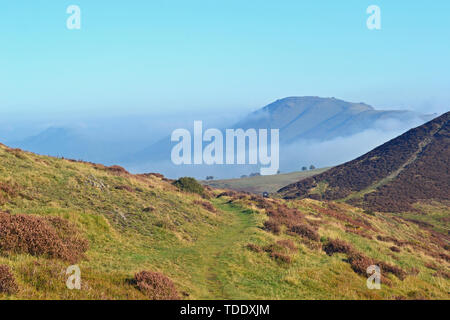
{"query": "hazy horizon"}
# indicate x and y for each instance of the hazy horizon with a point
(134, 72)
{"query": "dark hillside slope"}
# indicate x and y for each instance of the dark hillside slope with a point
(407, 169)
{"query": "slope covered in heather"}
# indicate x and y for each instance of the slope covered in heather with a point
(411, 168)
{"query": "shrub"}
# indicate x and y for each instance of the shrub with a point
(286, 216)
(7, 282)
(124, 187)
(359, 262)
(261, 203)
(431, 266)
(337, 246)
(75, 244)
(156, 286)
(52, 237)
(414, 271)
(254, 247)
(311, 244)
(280, 257)
(189, 184)
(3, 200)
(444, 256)
(396, 271)
(305, 231)
(442, 274)
(394, 249)
(274, 247)
(288, 244)
(272, 226)
(11, 189)
(228, 193)
(117, 170)
(8, 190)
(207, 205)
(370, 212)
(17, 153)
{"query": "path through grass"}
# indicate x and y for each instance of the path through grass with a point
(206, 261)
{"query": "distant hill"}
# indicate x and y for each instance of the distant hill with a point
(70, 143)
(411, 168)
(55, 141)
(260, 184)
(301, 120)
(316, 118)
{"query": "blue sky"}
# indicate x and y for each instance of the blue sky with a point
(170, 57)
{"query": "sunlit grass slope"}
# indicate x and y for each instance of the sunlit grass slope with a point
(214, 247)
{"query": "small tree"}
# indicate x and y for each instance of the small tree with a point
(304, 168)
(189, 184)
(312, 167)
(209, 178)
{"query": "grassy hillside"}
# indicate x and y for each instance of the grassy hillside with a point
(223, 245)
(260, 184)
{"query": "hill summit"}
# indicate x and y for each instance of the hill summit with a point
(317, 118)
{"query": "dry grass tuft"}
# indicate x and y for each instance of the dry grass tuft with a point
(398, 243)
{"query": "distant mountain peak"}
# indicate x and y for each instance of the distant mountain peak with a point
(317, 118)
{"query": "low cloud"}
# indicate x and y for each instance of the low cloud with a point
(342, 149)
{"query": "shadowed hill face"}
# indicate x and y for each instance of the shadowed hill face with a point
(407, 169)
